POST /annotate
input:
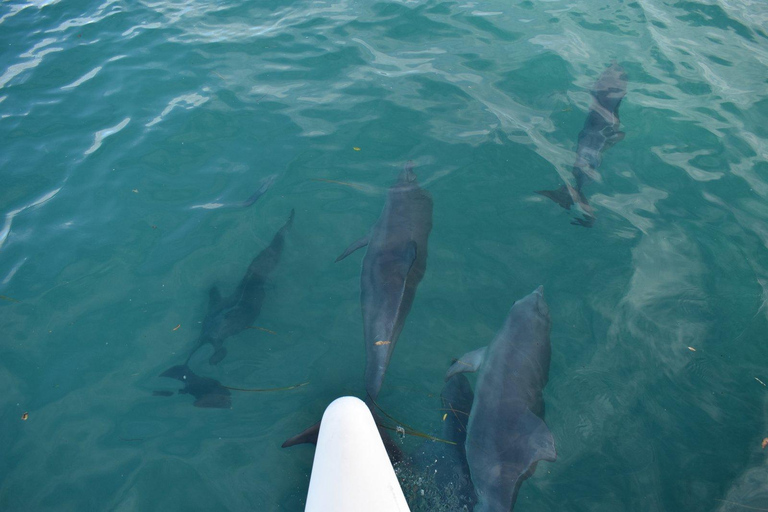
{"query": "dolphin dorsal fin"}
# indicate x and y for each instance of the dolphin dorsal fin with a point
(214, 298)
(469, 362)
(357, 244)
(541, 444)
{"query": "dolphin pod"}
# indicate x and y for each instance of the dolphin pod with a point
(506, 433)
(495, 436)
(600, 132)
(226, 317)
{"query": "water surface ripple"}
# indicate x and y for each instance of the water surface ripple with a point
(119, 118)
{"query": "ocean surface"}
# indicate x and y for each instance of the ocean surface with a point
(132, 133)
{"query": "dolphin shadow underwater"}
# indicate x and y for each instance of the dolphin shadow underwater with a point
(226, 317)
(600, 132)
(506, 435)
(395, 262)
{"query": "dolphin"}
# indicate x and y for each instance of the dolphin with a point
(393, 266)
(227, 317)
(443, 466)
(231, 315)
(506, 434)
(600, 132)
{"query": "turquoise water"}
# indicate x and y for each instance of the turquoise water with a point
(117, 118)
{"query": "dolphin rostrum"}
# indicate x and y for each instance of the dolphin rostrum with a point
(600, 132)
(226, 317)
(392, 269)
(506, 434)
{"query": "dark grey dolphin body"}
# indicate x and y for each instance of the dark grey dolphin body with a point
(392, 269)
(393, 266)
(442, 467)
(600, 132)
(226, 317)
(231, 315)
(506, 434)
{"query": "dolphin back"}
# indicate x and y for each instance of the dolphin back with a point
(393, 266)
(506, 434)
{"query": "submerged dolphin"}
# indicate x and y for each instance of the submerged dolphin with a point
(392, 269)
(227, 317)
(600, 132)
(506, 435)
(442, 467)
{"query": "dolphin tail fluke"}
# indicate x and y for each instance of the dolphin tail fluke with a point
(561, 196)
(218, 356)
(308, 436)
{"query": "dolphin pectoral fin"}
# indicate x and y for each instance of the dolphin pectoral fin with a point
(214, 298)
(217, 356)
(561, 196)
(357, 244)
(540, 443)
(308, 436)
(469, 362)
